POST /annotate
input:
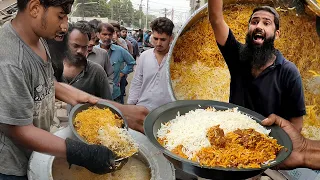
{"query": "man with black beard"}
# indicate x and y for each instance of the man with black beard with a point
(80, 73)
(261, 78)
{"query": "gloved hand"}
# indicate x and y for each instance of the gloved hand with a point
(96, 158)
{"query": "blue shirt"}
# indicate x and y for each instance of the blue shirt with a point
(146, 36)
(118, 56)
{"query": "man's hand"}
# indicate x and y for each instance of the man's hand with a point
(83, 97)
(135, 116)
(296, 159)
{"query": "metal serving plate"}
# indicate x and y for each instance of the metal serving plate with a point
(169, 111)
(101, 104)
(120, 162)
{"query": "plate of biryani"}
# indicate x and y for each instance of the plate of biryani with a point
(216, 140)
(105, 125)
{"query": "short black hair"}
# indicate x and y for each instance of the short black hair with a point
(162, 25)
(107, 26)
(116, 25)
(123, 28)
(64, 4)
(94, 23)
(270, 10)
(81, 26)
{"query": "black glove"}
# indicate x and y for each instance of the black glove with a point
(96, 158)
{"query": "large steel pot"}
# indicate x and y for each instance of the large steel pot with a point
(202, 12)
(40, 165)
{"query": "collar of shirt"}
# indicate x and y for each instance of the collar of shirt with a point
(278, 62)
(80, 75)
(279, 58)
(164, 59)
(112, 47)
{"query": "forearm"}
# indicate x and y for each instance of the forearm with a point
(312, 155)
(130, 62)
(219, 26)
(38, 140)
(82, 93)
(128, 68)
(215, 9)
(66, 93)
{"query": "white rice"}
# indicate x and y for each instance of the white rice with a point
(190, 129)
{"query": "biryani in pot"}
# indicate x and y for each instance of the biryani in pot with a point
(134, 169)
(214, 138)
(203, 74)
(102, 126)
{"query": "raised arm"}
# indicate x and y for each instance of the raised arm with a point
(219, 26)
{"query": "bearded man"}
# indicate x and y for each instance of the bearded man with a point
(261, 78)
(79, 72)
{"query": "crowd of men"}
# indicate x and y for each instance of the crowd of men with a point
(88, 44)
(91, 61)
